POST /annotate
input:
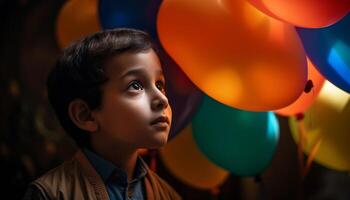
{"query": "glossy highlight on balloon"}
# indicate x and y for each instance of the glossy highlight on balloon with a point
(327, 121)
(329, 49)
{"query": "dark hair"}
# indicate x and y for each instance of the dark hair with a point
(79, 72)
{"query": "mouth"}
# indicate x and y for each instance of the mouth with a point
(161, 122)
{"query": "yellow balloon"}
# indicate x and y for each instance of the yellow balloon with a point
(327, 121)
(185, 161)
(243, 59)
(77, 18)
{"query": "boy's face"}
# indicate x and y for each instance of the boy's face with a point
(133, 100)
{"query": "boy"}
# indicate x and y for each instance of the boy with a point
(108, 93)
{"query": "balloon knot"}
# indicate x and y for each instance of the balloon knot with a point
(308, 86)
(258, 178)
(300, 116)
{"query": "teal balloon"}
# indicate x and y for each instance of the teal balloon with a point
(239, 141)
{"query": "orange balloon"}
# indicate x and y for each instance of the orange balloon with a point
(303, 13)
(77, 18)
(307, 98)
(244, 59)
(186, 162)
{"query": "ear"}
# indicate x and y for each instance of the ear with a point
(81, 115)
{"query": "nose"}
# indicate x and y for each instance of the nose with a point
(159, 101)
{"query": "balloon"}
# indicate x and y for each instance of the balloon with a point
(184, 160)
(305, 100)
(131, 13)
(329, 49)
(244, 59)
(239, 141)
(308, 14)
(328, 120)
(184, 97)
(77, 18)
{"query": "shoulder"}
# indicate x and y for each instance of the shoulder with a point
(159, 180)
(53, 181)
(162, 186)
(73, 179)
(60, 174)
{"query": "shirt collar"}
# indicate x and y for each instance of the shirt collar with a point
(106, 168)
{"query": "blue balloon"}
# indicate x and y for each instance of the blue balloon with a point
(137, 14)
(329, 49)
(239, 141)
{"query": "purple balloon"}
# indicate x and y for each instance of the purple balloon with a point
(183, 95)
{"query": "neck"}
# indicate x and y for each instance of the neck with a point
(124, 158)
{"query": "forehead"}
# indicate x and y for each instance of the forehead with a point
(128, 63)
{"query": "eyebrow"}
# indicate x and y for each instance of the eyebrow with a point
(139, 71)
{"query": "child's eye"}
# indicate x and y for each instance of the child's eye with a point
(136, 85)
(161, 86)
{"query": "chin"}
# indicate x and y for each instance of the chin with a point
(158, 142)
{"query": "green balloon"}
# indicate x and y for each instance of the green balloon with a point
(239, 141)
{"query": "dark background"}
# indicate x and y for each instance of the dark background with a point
(31, 141)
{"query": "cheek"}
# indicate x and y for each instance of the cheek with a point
(137, 110)
(128, 115)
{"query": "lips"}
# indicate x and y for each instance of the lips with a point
(160, 120)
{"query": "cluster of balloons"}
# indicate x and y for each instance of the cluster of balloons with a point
(243, 58)
(326, 108)
(329, 49)
(240, 142)
(189, 164)
(229, 64)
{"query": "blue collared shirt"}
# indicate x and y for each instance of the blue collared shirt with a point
(116, 180)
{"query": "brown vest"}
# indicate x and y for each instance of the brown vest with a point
(77, 179)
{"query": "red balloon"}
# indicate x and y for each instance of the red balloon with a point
(303, 13)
